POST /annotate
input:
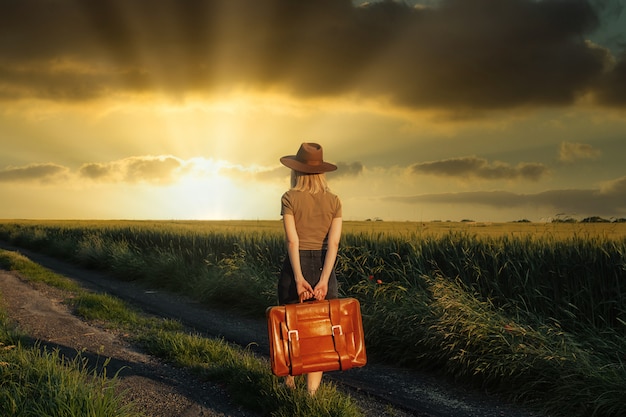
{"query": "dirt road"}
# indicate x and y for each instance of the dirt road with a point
(165, 391)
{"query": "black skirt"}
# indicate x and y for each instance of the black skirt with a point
(311, 262)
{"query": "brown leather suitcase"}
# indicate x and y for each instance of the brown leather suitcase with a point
(316, 336)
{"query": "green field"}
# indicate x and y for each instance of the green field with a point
(535, 311)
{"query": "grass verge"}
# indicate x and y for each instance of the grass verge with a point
(246, 376)
(38, 382)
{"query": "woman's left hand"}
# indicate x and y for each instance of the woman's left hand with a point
(320, 291)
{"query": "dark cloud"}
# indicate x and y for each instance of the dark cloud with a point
(479, 54)
(34, 172)
(611, 88)
(608, 201)
(152, 169)
(473, 167)
(164, 169)
(96, 171)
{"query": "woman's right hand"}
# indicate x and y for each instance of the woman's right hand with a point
(305, 291)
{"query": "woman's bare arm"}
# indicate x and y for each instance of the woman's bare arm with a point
(305, 291)
(334, 236)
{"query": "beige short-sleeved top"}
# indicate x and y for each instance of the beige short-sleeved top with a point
(313, 214)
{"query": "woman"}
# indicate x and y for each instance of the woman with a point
(312, 222)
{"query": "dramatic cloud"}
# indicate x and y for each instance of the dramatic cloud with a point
(161, 169)
(473, 167)
(34, 172)
(570, 152)
(459, 55)
(607, 201)
(157, 170)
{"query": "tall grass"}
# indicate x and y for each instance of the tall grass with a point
(577, 282)
(246, 377)
(39, 382)
(537, 316)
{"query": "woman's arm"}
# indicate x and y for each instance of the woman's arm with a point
(305, 291)
(334, 236)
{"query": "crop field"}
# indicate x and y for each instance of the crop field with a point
(612, 230)
(535, 311)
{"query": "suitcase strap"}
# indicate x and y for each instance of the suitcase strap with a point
(293, 337)
(339, 337)
(337, 333)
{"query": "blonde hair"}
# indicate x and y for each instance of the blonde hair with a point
(312, 183)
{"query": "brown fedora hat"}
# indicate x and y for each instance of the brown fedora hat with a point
(309, 159)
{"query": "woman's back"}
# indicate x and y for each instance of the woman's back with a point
(313, 215)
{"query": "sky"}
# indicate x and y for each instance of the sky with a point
(484, 110)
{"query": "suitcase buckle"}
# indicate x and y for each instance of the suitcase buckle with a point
(336, 326)
(294, 332)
